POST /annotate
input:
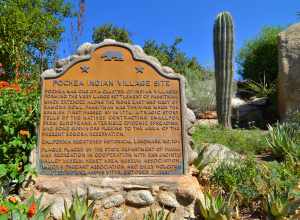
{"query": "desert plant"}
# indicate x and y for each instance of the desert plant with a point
(261, 89)
(223, 51)
(80, 209)
(281, 139)
(276, 205)
(201, 162)
(157, 215)
(214, 208)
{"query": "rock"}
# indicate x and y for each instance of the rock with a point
(192, 155)
(117, 214)
(49, 73)
(204, 122)
(289, 71)
(237, 102)
(185, 196)
(49, 187)
(167, 199)
(135, 187)
(139, 49)
(154, 60)
(84, 49)
(57, 207)
(215, 154)
(97, 194)
(113, 201)
(61, 63)
(190, 116)
(109, 41)
(251, 113)
(207, 115)
(139, 198)
(168, 70)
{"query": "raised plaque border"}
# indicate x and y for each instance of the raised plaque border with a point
(84, 53)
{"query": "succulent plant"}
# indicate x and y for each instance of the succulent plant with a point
(154, 215)
(214, 208)
(223, 51)
(80, 209)
(277, 205)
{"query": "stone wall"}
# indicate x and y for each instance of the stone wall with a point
(121, 198)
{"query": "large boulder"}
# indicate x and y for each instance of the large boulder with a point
(250, 113)
(289, 71)
(214, 155)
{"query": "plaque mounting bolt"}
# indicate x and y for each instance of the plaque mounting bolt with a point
(84, 69)
(139, 69)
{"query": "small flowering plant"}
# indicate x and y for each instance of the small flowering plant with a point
(13, 208)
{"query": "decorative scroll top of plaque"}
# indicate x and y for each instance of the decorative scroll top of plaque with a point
(111, 110)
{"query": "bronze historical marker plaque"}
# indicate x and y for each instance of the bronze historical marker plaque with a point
(111, 115)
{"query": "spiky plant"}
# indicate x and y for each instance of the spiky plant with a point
(223, 51)
(157, 215)
(80, 209)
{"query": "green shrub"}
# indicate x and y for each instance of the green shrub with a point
(19, 116)
(250, 180)
(259, 57)
(261, 89)
(239, 177)
(293, 120)
(282, 141)
(242, 141)
(200, 93)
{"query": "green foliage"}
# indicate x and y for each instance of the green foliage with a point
(154, 215)
(200, 93)
(200, 163)
(31, 209)
(80, 209)
(200, 86)
(293, 120)
(29, 29)
(277, 205)
(109, 31)
(259, 57)
(172, 56)
(238, 177)
(262, 89)
(214, 208)
(19, 115)
(282, 141)
(249, 180)
(239, 140)
(223, 53)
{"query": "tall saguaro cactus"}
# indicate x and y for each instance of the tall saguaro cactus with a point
(223, 51)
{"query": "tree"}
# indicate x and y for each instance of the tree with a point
(171, 55)
(258, 59)
(29, 31)
(109, 31)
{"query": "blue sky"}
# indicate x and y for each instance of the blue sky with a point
(163, 20)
